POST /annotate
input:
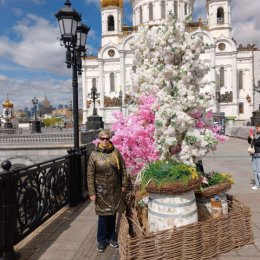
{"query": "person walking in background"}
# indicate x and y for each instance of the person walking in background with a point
(254, 141)
(107, 182)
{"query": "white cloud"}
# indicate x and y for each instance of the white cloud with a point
(245, 19)
(21, 91)
(3, 78)
(94, 2)
(38, 48)
(17, 11)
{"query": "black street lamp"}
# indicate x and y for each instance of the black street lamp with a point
(120, 99)
(94, 95)
(35, 102)
(73, 38)
(36, 124)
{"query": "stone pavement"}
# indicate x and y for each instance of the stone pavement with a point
(71, 233)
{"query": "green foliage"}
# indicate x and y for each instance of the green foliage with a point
(52, 121)
(162, 172)
(218, 178)
(215, 178)
(231, 117)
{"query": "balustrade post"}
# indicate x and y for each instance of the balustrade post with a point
(83, 162)
(78, 173)
(8, 216)
(71, 178)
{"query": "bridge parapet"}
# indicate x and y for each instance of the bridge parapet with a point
(37, 138)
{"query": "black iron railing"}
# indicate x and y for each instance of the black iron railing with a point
(31, 195)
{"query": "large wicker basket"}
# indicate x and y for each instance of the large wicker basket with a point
(173, 188)
(214, 190)
(202, 240)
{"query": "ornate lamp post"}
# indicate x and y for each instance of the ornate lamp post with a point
(120, 99)
(94, 95)
(36, 124)
(35, 102)
(94, 122)
(73, 38)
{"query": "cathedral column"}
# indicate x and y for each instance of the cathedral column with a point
(122, 76)
(84, 94)
(213, 76)
(234, 79)
(101, 87)
(170, 7)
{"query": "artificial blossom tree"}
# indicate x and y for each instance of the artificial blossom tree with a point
(168, 69)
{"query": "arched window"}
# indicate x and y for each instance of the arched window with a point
(176, 9)
(110, 23)
(141, 14)
(163, 10)
(240, 79)
(112, 82)
(186, 9)
(150, 11)
(220, 15)
(241, 108)
(94, 83)
(222, 77)
(134, 69)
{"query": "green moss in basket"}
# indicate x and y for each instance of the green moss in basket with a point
(161, 172)
(215, 178)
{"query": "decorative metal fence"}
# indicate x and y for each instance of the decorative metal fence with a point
(31, 195)
(37, 138)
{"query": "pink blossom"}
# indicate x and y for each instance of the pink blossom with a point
(134, 135)
(209, 114)
(200, 124)
(196, 115)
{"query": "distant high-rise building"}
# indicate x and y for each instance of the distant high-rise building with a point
(45, 107)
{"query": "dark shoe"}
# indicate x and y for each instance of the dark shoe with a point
(101, 248)
(114, 244)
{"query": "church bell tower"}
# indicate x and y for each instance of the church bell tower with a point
(112, 19)
(218, 16)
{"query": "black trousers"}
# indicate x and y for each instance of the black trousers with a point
(106, 229)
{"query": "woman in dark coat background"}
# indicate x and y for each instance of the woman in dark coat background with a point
(107, 181)
(255, 142)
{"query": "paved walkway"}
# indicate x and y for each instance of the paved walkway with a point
(71, 233)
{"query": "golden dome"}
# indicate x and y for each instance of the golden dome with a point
(106, 3)
(7, 104)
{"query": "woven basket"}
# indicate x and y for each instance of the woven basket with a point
(202, 240)
(214, 190)
(173, 188)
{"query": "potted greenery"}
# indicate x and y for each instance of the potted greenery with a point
(230, 120)
(214, 183)
(211, 197)
(169, 177)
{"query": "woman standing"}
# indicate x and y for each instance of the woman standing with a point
(255, 142)
(107, 181)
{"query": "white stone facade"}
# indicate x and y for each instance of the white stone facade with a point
(232, 67)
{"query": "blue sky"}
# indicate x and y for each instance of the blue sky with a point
(32, 60)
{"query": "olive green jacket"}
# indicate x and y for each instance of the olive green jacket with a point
(106, 175)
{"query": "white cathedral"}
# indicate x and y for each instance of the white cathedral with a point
(231, 65)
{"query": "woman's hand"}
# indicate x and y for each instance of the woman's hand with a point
(93, 197)
(123, 189)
